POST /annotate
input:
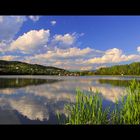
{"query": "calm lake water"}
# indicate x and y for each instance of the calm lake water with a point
(37, 99)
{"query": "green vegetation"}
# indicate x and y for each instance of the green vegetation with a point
(129, 111)
(131, 69)
(88, 108)
(128, 69)
(20, 68)
(84, 73)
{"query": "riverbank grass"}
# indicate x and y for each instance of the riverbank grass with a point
(88, 108)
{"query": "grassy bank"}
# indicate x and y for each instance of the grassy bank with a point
(88, 108)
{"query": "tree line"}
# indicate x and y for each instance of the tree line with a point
(128, 69)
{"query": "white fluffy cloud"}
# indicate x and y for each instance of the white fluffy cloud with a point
(53, 22)
(10, 25)
(27, 107)
(34, 18)
(138, 48)
(67, 53)
(67, 39)
(74, 58)
(31, 41)
(113, 56)
(70, 58)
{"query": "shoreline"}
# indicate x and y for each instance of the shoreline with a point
(68, 75)
(111, 77)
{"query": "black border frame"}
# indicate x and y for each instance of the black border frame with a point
(41, 7)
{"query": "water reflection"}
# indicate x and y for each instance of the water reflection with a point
(120, 83)
(8, 117)
(40, 99)
(23, 82)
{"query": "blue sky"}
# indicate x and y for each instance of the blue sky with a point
(72, 42)
(101, 32)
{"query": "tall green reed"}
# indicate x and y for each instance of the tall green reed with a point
(129, 110)
(88, 108)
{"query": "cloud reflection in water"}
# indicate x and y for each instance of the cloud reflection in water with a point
(36, 102)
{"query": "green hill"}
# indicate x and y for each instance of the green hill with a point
(21, 68)
(128, 69)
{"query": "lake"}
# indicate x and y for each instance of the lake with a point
(38, 99)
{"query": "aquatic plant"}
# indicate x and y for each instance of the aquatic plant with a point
(129, 110)
(88, 108)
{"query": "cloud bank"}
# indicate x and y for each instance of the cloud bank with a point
(61, 50)
(31, 41)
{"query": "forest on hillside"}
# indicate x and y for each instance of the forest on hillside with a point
(21, 68)
(128, 69)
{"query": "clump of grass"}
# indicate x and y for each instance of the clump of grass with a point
(129, 110)
(88, 109)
